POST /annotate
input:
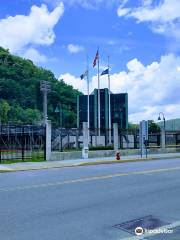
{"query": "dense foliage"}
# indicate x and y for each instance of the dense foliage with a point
(20, 95)
(133, 127)
(152, 127)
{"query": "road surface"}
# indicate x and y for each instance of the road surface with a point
(87, 203)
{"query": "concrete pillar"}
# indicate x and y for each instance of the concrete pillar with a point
(77, 138)
(115, 134)
(143, 136)
(85, 149)
(99, 141)
(48, 140)
(163, 138)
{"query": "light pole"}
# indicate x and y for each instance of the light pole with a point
(45, 88)
(164, 120)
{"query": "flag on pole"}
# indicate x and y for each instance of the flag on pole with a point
(105, 72)
(84, 75)
(96, 58)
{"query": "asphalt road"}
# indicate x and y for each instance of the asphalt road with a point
(85, 203)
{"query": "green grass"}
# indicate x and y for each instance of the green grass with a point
(35, 157)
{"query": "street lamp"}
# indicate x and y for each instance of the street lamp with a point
(59, 110)
(164, 120)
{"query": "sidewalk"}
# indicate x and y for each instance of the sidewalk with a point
(25, 166)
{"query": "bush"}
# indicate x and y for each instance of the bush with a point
(110, 147)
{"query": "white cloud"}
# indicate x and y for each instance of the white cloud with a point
(20, 32)
(34, 55)
(76, 82)
(147, 2)
(89, 4)
(166, 11)
(111, 42)
(163, 17)
(72, 48)
(123, 11)
(151, 89)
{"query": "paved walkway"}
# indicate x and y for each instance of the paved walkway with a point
(24, 166)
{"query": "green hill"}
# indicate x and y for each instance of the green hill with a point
(20, 95)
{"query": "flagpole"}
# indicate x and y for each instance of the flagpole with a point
(88, 119)
(109, 88)
(99, 105)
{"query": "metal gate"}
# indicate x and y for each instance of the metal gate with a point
(22, 143)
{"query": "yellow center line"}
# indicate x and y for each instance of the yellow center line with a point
(80, 180)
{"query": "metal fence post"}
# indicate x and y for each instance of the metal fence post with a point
(44, 140)
(22, 143)
(176, 140)
(48, 140)
(0, 143)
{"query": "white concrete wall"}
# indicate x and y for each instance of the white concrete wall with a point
(59, 156)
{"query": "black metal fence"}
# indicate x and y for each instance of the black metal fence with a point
(64, 139)
(173, 139)
(22, 143)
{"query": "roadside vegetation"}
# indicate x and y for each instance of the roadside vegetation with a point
(21, 98)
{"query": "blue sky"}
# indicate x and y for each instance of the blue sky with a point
(120, 38)
(141, 37)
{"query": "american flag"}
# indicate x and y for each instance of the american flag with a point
(96, 58)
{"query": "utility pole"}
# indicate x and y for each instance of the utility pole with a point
(45, 88)
(99, 102)
(88, 114)
(109, 95)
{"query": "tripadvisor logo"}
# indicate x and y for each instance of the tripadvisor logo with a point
(139, 231)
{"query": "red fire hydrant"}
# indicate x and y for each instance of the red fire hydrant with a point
(118, 156)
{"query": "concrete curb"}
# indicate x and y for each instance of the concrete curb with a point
(91, 163)
(128, 160)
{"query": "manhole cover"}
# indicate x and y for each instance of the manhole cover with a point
(147, 222)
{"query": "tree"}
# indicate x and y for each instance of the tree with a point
(133, 126)
(32, 115)
(4, 110)
(20, 88)
(153, 127)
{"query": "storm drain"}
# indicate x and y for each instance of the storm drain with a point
(148, 222)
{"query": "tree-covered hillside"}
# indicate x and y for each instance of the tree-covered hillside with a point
(20, 95)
